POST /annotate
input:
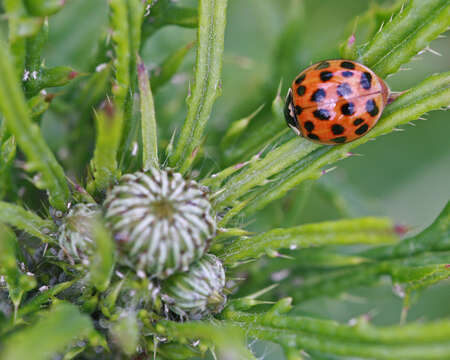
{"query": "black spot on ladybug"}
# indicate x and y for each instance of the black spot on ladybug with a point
(372, 108)
(309, 126)
(318, 95)
(340, 139)
(322, 114)
(348, 108)
(358, 121)
(313, 136)
(347, 74)
(344, 89)
(347, 65)
(337, 129)
(362, 129)
(322, 65)
(298, 109)
(326, 75)
(301, 90)
(366, 80)
(300, 79)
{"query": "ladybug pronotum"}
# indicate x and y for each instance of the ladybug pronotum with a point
(335, 101)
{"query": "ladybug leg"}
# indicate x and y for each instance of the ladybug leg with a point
(394, 95)
(289, 113)
(297, 131)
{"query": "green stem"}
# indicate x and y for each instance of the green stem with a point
(408, 342)
(210, 44)
(257, 174)
(361, 332)
(28, 135)
(343, 232)
(417, 23)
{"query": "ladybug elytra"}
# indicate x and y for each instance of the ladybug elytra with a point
(335, 101)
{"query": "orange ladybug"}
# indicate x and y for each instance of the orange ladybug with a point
(335, 101)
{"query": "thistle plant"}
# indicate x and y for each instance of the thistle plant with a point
(133, 238)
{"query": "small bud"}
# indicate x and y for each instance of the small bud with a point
(199, 292)
(75, 232)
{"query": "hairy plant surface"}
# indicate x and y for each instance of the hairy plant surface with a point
(126, 231)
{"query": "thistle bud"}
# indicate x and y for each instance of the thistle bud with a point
(199, 292)
(161, 222)
(75, 235)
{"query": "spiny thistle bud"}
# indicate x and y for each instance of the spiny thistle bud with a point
(75, 232)
(199, 292)
(161, 222)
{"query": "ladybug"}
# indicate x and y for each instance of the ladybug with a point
(335, 101)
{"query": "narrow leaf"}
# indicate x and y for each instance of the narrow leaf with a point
(18, 283)
(169, 66)
(104, 163)
(103, 260)
(343, 232)
(27, 221)
(210, 43)
(148, 120)
(28, 135)
(434, 238)
(416, 24)
(61, 326)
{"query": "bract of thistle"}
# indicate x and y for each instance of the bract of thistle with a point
(75, 236)
(161, 222)
(199, 292)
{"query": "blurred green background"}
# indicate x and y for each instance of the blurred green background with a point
(403, 175)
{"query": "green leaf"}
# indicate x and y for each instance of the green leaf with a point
(166, 12)
(126, 20)
(36, 303)
(18, 283)
(46, 78)
(434, 238)
(258, 173)
(161, 74)
(229, 341)
(104, 163)
(206, 88)
(28, 135)
(7, 156)
(24, 220)
(343, 232)
(52, 333)
(38, 105)
(237, 128)
(412, 341)
(103, 260)
(416, 24)
(125, 331)
(34, 47)
(20, 27)
(406, 262)
(44, 7)
(264, 134)
(148, 120)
